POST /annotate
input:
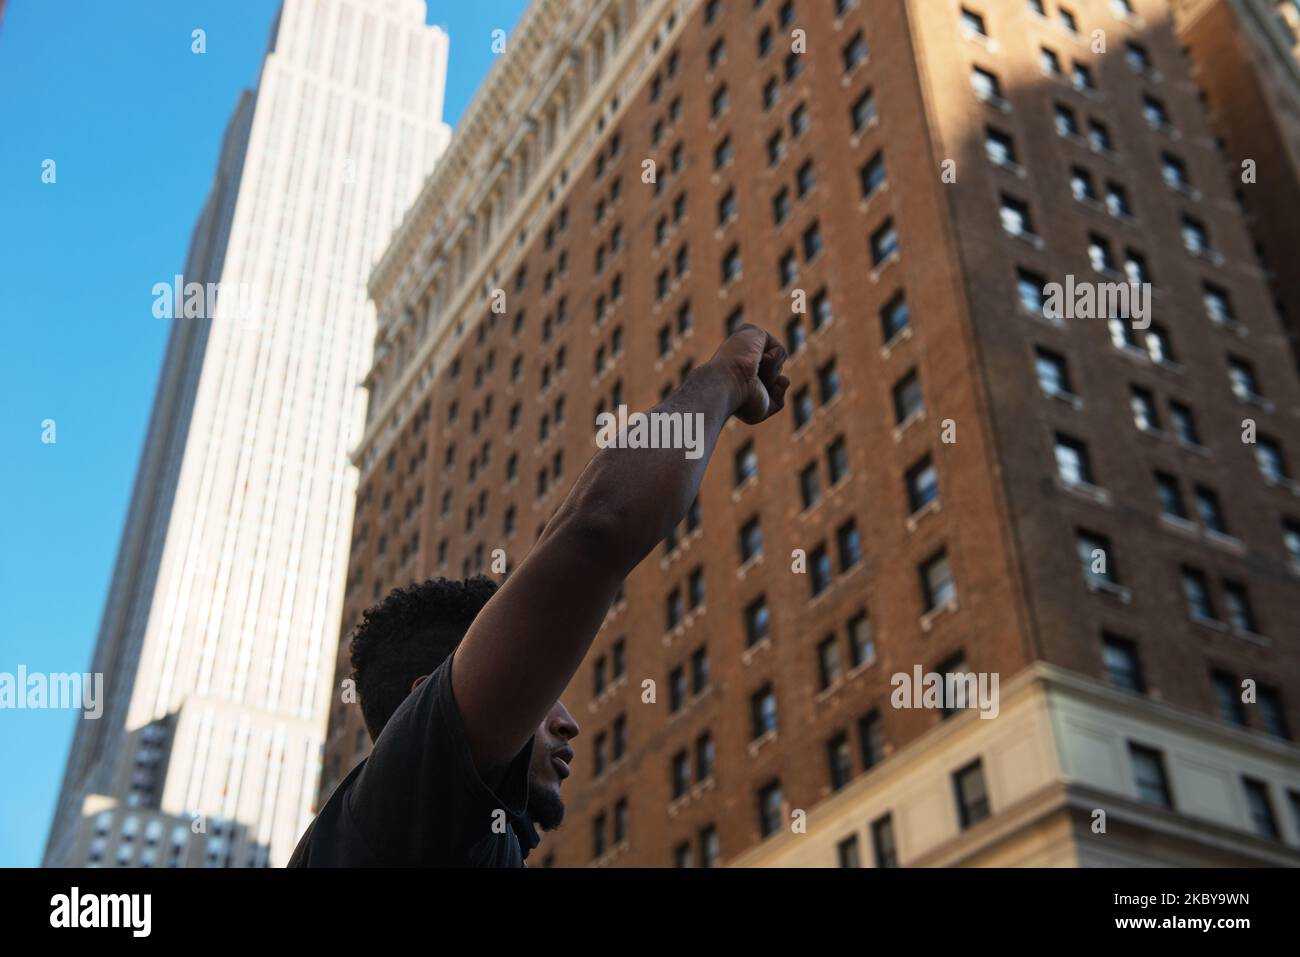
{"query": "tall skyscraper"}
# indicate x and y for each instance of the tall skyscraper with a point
(222, 617)
(1089, 508)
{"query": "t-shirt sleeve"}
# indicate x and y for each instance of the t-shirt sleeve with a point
(419, 799)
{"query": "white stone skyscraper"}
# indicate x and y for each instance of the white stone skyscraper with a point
(219, 633)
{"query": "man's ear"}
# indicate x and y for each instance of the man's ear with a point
(418, 681)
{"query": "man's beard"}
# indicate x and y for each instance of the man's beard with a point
(544, 807)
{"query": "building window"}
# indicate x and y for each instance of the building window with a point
(828, 661)
(1067, 124)
(731, 265)
(908, 401)
(999, 148)
(862, 645)
(972, 796)
(704, 757)
(1241, 377)
(710, 847)
(1120, 658)
(871, 739)
(1145, 414)
(986, 85)
(849, 542)
(1072, 462)
(804, 179)
(1015, 217)
(1053, 375)
(762, 709)
(1197, 592)
(819, 570)
(854, 52)
(828, 381)
(751, 540)
(1227, 694)
(746, 463)
(882, 838)
(1149, 775)
(884, 243)
(1272, 714)
(1174, 172)
(1268, 456)
(810, 485)
(840, 760)
(1099, 138)
(846, 852)
(872, 176)
(1237, 602)
(1184, 424)
(1170, 496)
(937, 587)
(673, 608)
(681, 774)
(699, 670)
(802, 408)
(1029, 291)
(1209, 511)
(1262, 819)
(837, 460)
(1095, 557)
(770, 801)
(894, 318)
(757, 621)
(922, 484)
(973, 23)
(863, 113)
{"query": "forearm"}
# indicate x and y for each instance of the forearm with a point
(528, 641)
(629, 499)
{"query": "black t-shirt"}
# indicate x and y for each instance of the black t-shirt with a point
(417, 800)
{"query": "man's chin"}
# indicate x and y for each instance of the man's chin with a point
(545, 806)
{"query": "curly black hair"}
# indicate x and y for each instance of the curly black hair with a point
(407, 635)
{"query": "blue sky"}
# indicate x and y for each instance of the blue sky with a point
(133, 119)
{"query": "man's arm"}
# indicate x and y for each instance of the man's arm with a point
(530, 638)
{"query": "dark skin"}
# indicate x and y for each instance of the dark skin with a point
(551, 760)
(531, 637)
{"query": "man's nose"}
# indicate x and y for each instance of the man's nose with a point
(562, 724)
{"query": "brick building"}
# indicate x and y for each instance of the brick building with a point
(1067, 504)
(1246, 62)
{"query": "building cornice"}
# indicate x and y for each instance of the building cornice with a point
(403, 273)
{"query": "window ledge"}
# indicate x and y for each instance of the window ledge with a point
(1178, 523)
(1211, 623)
(1103, 586)
(1094, 493)
(899, 337)
(917, 416)
(928, 508)
(762, 740)
(1069, 398)
(1251, 636)
(1010, 166)
(1225, 541)
(752, 652)
(1290, 484)
(934, 614)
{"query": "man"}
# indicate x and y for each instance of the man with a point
(471, 740)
